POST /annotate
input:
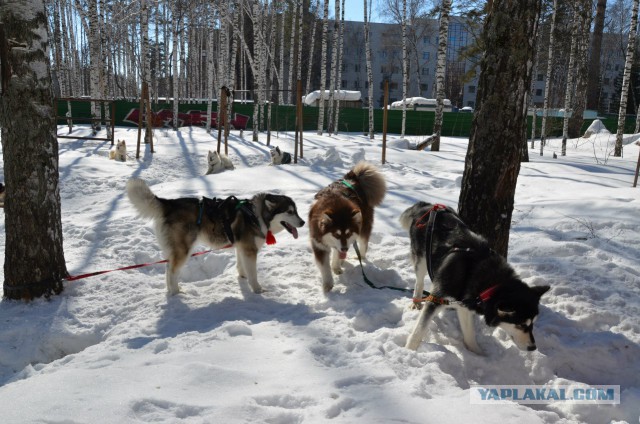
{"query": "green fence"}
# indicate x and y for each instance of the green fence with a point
(351, 120)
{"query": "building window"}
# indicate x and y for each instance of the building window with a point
(425, 40)
(472, 89)
(366, 85)
(540, 77)
(356, 68)
(424, 87)
(425, 71)
(539, 92)
(344, 84)
(425, 55)
(356, 84)
(344, 67)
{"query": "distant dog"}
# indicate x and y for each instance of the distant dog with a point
(245, 224)
(467, 272)
(217, 162)
(341, 214)
(119, 152)
(279, 157)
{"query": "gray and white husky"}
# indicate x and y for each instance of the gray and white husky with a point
(467, 272)
(278, 157)
(243, 224)
(217, 163)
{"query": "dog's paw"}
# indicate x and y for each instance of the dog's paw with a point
(327, 286)
(337, 271)
(257, 288)
(415, 306)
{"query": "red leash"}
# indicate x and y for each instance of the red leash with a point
(437, 207)
(91, 274)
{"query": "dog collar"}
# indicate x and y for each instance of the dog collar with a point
(486, 295)
(200, 210)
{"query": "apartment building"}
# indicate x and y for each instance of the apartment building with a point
(386, 52)
(460, 82)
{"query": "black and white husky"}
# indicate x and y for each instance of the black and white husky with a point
(278, 157)
(466, 273)
(243, 224)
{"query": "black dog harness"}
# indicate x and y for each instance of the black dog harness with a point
(226, 223)
(476, 303)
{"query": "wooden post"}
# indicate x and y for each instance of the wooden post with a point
(222, 118)
(299, 110)
(384, 121)
(141, 109)
(227, 124)
(147, 99)
(113, 120)
(635, 179)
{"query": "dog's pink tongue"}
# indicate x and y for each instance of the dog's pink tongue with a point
(342, 255)
(294, 232)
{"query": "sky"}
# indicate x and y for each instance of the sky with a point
(115, 348)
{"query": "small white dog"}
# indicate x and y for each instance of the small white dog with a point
(119, 152)
(217, 162)
(278, 157)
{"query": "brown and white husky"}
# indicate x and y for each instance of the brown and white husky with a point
(341, 214)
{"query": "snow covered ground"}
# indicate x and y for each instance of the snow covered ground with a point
(114, 349)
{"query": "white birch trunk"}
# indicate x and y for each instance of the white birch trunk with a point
(323, 66)
(547, 84)
(177, 26)
(292, 47)
(367, 42)
(312, 51)
(440, 73)
(256, 77)
(334, 63)
(340, 62)
(626, 79)
(568, 94)
(404, 67)
(281, 73)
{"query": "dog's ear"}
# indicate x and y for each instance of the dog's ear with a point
(326, 220)
(357, 216)
(277, 149)
(540, 290)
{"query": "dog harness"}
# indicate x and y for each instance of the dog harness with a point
(430, 224)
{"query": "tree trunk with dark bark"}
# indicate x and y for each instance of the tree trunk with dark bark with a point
(34, 262)
(496, 141)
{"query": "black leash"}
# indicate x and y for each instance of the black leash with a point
(373, 286)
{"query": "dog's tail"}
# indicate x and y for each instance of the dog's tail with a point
(370, 180)
(406, 218)
(143, 199)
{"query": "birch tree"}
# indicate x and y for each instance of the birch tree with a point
(405, 76)
(496, 140)
(547, 84)
(340, 62)
(440, 73)
(292, 47)
(34, 263)
(334, 63)
(571, 71)
(626, 78)
(593, 85)
(367, 42)
(582, 69)
(323, 65)
(312, 45)
(177, 27)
